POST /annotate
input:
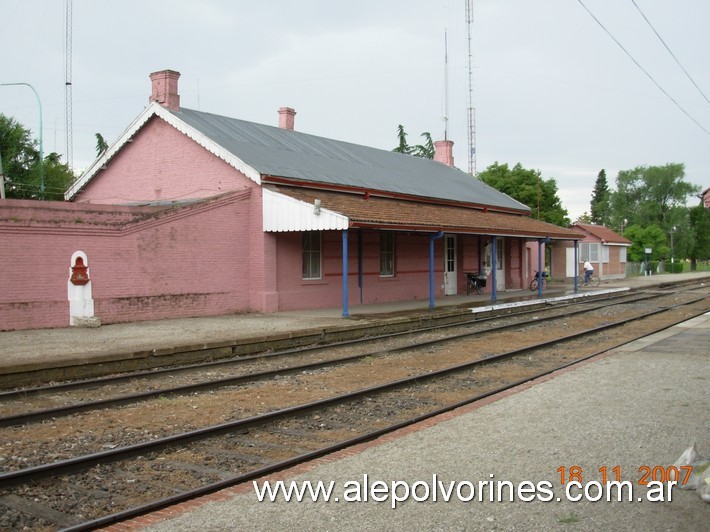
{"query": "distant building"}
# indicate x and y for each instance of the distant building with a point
(190, 213)
(706, 198)
(604, 248)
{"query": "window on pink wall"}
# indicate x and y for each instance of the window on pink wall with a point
(387, 256)
(588, 251)
(311, 255)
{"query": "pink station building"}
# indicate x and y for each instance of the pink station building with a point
(194, 214)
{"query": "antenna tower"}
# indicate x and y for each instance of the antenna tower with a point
(471, 110)
(446, 86)
(68, 84)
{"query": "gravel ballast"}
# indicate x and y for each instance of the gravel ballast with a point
(638, 406)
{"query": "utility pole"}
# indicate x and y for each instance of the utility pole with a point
(672, 252)
(41, 151)
(471, 110)
(2, 180)
(68, 84)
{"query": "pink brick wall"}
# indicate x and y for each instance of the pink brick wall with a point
(160, 164)
(410, 283)
(207, 258)
(144, 263)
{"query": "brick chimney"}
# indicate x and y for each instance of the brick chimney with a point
(286, 118)
(444, 152)
(165, 89)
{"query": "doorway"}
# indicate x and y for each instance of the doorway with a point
(450, 285)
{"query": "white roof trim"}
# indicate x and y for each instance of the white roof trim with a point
(283, 213)
(155, 109)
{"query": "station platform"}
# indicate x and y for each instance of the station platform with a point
(625, 412)
(71, 349)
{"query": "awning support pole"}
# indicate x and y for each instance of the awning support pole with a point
(431, 266)
(576, 266)
(494, 257)
(539, 267)
(480, 258)
(345, 274)
(359, 261)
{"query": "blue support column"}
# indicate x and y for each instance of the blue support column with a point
(539, 267)
(576, 266)
(494, 266)
(480, 257)
(431, 266)
(359, 262)
(345, 274)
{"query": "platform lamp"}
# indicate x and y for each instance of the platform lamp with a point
(672, 257)
(41, 153)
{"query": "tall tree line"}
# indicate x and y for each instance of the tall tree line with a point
(650, 207)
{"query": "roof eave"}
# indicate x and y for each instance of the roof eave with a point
(155, 109)
(458, 230)
(281, 180)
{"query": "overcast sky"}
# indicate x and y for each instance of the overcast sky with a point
(552, 90)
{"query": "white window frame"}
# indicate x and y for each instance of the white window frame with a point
(622, 254)
(387, 254)
(311, 255)
(589, 251)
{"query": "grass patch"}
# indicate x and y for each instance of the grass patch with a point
(569, 519)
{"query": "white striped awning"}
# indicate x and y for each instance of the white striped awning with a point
(282, 213)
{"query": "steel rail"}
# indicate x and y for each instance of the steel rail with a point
(39, 415)
(311, 455)
(52, 388)
(25, 475)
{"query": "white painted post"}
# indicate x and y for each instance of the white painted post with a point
(81, 302)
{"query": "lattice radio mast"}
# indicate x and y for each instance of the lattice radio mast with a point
(446, 86)
(68, 84)
(471, 110)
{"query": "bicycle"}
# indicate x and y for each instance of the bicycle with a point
(594, 281)
(536, 279)
(475, 281)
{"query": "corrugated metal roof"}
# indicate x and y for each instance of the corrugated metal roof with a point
(603, 233)
(285, 153)
(283, 213)
(399, 214)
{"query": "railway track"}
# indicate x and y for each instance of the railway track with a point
(74, 492)
(46, 402)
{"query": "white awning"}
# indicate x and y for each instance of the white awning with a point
(282, 213)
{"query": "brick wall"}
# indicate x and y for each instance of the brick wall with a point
(160, 164)
(145, 263)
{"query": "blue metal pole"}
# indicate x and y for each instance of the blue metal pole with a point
(359, 261)
(345, 274)
(539, 268)
(576, 266)
(494, 259)
(41, 152)
(480, 257)
(431, 266)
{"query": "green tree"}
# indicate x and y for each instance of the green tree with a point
(403, 147)
(650, 236)
(101, 145)
(528, 187)
(650, 195)
(600, 207)
(425, 150)
(584, 218)
(699, 219)
(19, 155)
(21, 165)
